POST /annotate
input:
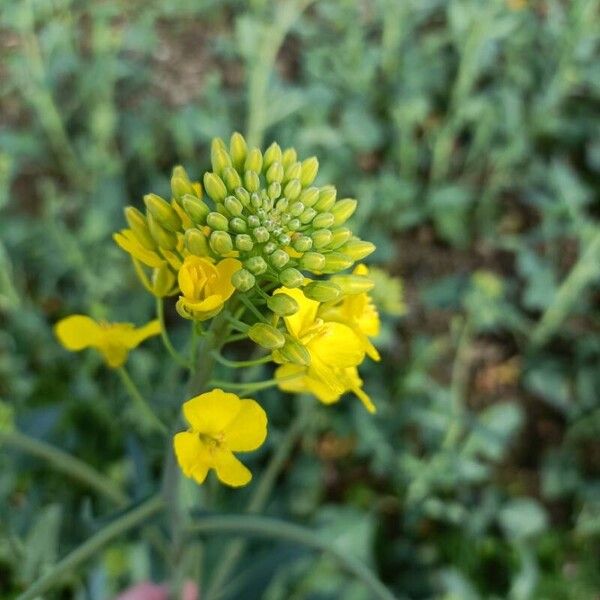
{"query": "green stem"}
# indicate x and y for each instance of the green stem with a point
(251, 525)
(236, 364)
(160, 312)
(242, 327)
(259, 499)
(248, 303)
(248, 387)
(75, 468)
(140, 403)
(130, 519)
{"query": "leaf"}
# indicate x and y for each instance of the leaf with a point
(523, 518)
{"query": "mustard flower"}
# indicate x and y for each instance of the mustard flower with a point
(112, 340)
(220, 424)
(205, 287)
(335, 352)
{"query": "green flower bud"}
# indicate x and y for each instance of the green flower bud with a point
(220, 159)
(327, 196)
(162, 212)
(293, 351)
(254, 161)
(243, 242)
(279, 259)
(266, 336)
(221, 243)
(165, 239)
(217, 221)
(256, 264)
(310, 196)
(294, 224)
(351, 284)
(291, 278)
(357, 249)
(273, 154)
(294, 171)
(238, 149)
(243, 280)
(281, 205)
(233, 205)
(307, 215)
(275, 173)
(310, 167)
(296, 209)
(196, 242)
(312, 261)
(215, 187)
(302, 243)
(253, 221)
(261, 234)
(269, 248)
(274, 190)
(251, 181)
(282, 304)
(238, 225)
(336, 262)
(231, 178)
(284, 239)
(243, 196)
(255, 200)
(196, 209)
(321, 238)
(163, 281)
(322, 291)
(289, 157)
(323, 220)
(292, 189)
(139, 225)
(339, 237)
(342, 210)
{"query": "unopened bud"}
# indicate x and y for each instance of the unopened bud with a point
(272, 154)
(231, 178)
(256, 264)
(254, 161)
(216, 220)
(251, 181)
(339, 237)
(282, 304)
(196, 242)
(163, 237)
(266, 336)
(196, 209)
(342, 210)
(302, 244)
(321, 238)
(279, 259)
(253, 221)
(310, 196)
(243, 280)
(139, 225)
(233, 205)
(294, 351)
(238, 149)
(322, 291)
(310, 167)
(336, 262)
(261, 234)
(244, 242)
(162, 212)
(220, 159)
(281, 205)
(294, 224)
(238, 225)
(357, 249)
(274, 190)
(323, 220)
(289, 157)
(307, 215)
(215, 187)
(291, 278)
(351, 284)
(313, 261)
(269, 248)
(294, 171)
(275, 173)
(180, 186)
(327, 196)
(292, 189)
(220, 242)
(243, 196)
(163, 281)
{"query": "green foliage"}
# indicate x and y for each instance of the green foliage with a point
(469, 132)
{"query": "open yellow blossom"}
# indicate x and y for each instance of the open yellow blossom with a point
(335, 352)
(358, 312)
(205, 287)
(127, 240)
(112, 340)
(220, 424)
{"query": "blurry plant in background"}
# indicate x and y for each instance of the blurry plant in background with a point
(468, 131)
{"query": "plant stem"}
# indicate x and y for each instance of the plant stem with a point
(130, 519)
(70, 465)
(141, 405)
(236, 364)
(160, 312)
(259, 499)
(248, 387)
(251, 525)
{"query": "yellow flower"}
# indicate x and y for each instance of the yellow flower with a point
(335, 352)
(127, 240)
(205, 287)
(112, 340)
(220, 424)
(358, 312)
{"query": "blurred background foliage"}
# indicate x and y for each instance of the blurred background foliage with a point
(470, 133)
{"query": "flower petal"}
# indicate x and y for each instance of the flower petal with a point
(78, 332)
(248, 429)
(115, 355)
(137, 336)
(229, 469)
(290, 378)
(222, 285)
(210, 413)
(306, 314)
(337, 345)
(127, 241)
(192, 456)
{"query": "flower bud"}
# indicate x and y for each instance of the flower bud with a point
(279, 259)
(269, 248)
(357, 249)
(293, 351)
(238, 149)
(253, 221)
(195, 209)
(323, 291)
(307, 215)
(275, 173)
(256, 264)
(289, 157)
(256, 201)
(323, 220)
(243, 280)
(162, 212)
(216, 220)
(215, 187)
(238, 225)
(244, 242)
(321, 238)
(274, 190)
(261, 234)
(243, 196)
(291, 278)
(233, 205)
(327, 196)
(196, 242)
(296, 209)
(292, 172)
(339, 237)
(266, 336)
(254, 161)
(231, 178)
(165, 239)
(313, 261)
(335, 262)
(284, 239)
(310, 196)
(292, 189)
(302, 244)
(294, 224)
(351, 284)
(281, 205)
(272, 154)
(138, 224)
(220, 242)
(220, 159)
(163, 281)
(342, 210)
(282, 304)
(310, 167)
(180, 183)
(251, 181)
